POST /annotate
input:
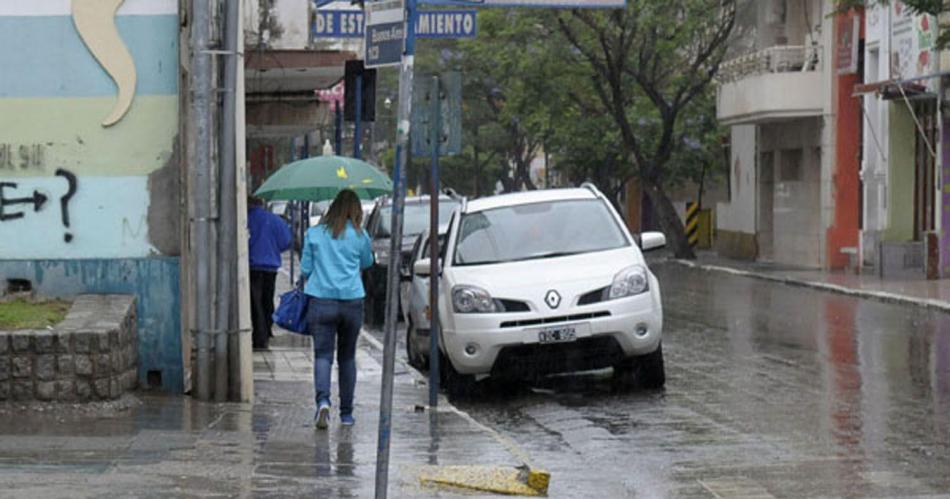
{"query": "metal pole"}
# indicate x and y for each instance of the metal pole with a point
(201, 190)
(227, 231)
(435, 93)
(395, 247)
(339, 129)
(358, 117)
(292, 205)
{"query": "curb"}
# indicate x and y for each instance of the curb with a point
(882, 296)
(523, 480)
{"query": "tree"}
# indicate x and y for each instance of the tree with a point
(647, 66)
(514, 75)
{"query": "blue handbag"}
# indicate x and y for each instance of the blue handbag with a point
(291, 314)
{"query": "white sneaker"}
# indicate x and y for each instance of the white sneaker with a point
(323, 416)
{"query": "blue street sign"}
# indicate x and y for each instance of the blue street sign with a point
(429, 24)
(385, 35)
(338, 24)
(384, 44)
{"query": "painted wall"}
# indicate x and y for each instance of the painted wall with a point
(736, 218)
(88, 158)
(875, 131)
(738, 214)
(844, 232)
(795, 151)
(900, 199)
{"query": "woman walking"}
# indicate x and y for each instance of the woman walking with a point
(334, 253)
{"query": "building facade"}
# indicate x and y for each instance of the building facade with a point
(89, 161)
(776, 97)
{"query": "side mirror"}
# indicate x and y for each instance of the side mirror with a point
(422, 267)
(652, 240)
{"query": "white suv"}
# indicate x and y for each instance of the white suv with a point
(542, 282)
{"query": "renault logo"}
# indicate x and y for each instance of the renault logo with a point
(552, 299)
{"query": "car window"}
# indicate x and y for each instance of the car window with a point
(425, 249)
(538, 230)
(416, 218)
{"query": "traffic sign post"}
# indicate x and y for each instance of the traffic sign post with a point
(395, 242)
(435, 138)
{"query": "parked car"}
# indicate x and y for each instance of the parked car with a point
(415, 221)
(414, 294)
(544, 282)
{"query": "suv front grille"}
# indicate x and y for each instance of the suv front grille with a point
(525, 361)
(554, 320)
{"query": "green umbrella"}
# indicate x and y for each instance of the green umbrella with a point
(323, 177)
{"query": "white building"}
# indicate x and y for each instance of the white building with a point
(776, 95)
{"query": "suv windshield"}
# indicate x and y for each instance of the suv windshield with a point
(540, 230)
(416, 219)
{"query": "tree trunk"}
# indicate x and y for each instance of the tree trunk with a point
(670, 221)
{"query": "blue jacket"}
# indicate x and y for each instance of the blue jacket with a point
(269, 237)
(332, 266)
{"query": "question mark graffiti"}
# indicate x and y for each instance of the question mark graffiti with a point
(64, 201)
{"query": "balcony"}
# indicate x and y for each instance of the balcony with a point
(777, 83)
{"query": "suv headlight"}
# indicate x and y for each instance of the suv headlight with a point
(472, 300)
(628, 282)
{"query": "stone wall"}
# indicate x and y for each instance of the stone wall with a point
(91, 355)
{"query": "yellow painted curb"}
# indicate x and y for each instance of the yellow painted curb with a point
(520, 481)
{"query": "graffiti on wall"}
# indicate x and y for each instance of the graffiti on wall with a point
(14, 206)
(22, 156)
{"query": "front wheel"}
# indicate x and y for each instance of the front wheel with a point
(456, 385)
(415, 359)
(646, 370)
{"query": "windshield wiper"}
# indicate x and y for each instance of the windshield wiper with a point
(541, 256)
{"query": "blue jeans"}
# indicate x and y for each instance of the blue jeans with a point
(328, 322)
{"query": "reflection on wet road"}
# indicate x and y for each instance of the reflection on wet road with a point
(772, 390)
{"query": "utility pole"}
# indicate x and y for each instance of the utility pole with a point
(226, 322)
(201, 218)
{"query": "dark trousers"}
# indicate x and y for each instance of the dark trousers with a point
(262, 306)
(335, 326)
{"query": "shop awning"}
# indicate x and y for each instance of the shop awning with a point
(891, 89)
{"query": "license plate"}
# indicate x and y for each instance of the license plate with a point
(558, 334)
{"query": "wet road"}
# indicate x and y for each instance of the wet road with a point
(772, 391)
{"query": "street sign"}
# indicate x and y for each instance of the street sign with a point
(430, 24)
(338, 24)
(450, 117)
(385, 33)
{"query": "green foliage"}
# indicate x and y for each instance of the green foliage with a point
(606, 95)
(25, 314)
(932, 7)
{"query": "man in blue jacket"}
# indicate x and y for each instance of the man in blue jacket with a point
(269, 237)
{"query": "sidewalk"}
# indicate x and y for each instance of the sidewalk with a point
(919, 292)
(150, 445)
